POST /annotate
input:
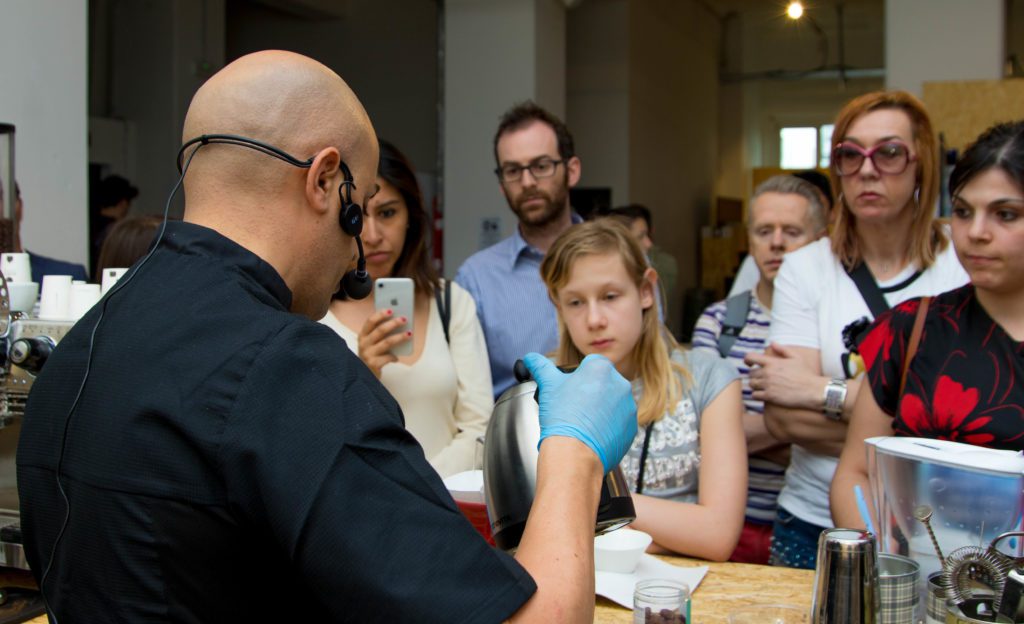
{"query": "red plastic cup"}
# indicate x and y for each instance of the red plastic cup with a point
(476, 513)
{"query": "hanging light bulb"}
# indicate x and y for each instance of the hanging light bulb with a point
(795, 10)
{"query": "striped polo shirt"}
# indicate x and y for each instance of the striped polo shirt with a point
(766, 477)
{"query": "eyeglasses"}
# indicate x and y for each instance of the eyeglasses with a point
(541, 168)
(891, 158)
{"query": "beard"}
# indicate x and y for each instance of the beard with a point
(552, 206)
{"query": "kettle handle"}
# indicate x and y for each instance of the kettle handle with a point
(522, 374)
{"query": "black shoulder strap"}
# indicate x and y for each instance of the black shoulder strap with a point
(643, 459)
(444, 307)
(736, 309)
(868, 287)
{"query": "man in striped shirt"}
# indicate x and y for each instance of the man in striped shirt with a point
(785, 214)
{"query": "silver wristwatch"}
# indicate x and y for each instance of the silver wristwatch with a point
(835, 398)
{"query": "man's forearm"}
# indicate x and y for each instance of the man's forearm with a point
(758, 437)
(557, 548)
(799, 426)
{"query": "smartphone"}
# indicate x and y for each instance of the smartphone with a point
(396, 293)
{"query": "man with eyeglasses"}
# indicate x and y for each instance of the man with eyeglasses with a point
(536, 167)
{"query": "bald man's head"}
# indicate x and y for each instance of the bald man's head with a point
(285, 99)
(286, 214)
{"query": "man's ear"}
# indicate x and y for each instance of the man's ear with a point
(647, 286)
(575, 170)
(321, 186)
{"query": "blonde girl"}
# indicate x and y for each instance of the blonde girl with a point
(687, 464)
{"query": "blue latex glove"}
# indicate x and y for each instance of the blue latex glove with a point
(593, 404)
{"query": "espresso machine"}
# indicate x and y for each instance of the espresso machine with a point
(25, 343)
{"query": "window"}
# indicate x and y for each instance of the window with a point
(805, 147)
(798, 147)
(825, 145)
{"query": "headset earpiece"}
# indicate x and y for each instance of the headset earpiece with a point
(351, 214)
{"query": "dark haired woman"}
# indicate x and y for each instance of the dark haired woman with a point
(127, 242)
(963, 382)
(444, 387)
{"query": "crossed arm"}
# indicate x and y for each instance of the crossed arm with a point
(790, 382)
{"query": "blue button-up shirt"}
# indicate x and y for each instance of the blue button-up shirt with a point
(512, 302)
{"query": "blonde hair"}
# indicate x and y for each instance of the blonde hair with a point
(662, 387)
(926, 235)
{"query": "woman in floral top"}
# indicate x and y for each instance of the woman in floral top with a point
(965, 381)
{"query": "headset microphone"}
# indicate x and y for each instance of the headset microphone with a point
(356, 283)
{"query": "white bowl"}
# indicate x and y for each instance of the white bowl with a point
(23, 295)
(620, 551)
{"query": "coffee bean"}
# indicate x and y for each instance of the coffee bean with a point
(665, 616)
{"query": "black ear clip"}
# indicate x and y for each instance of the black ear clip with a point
(351, 214)
(854, 333)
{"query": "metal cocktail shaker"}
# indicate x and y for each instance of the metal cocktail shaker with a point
(846, 578)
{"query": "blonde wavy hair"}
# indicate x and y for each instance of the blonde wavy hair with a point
(663, 378)
(927, 238)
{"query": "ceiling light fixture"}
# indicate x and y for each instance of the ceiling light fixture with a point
(795, 10)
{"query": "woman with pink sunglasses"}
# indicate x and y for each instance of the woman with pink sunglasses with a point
(885, 248)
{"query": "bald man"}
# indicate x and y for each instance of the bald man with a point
(227, 459)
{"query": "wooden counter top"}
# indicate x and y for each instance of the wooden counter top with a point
(725, 587)
(728, 586)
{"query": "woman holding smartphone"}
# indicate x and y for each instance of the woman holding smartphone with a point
(443, 385)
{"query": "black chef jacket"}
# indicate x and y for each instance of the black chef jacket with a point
(232, 462)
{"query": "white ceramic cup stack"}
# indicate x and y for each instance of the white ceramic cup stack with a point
(16, 267)
(21, 290)
(83, 297)
(109, 278)
(23, 296)
(55, 299)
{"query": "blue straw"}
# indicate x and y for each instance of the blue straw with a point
(862, 507)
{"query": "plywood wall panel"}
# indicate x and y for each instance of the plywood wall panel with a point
(962, 109)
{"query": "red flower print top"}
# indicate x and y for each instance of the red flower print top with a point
(966, 381)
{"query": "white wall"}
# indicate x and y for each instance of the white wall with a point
(928, 40)
(549, 59)
(495, 56)
(597, 98)
(673, 119)
(43, 73)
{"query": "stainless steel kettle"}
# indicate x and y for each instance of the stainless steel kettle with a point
(510, 468)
